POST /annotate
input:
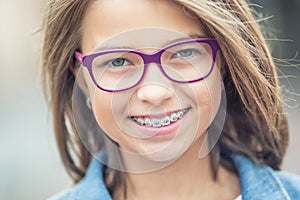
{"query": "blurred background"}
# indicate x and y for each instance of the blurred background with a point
(30, 166)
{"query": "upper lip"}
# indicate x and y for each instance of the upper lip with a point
(158, 115)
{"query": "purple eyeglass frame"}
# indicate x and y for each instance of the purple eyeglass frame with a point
(87, 60)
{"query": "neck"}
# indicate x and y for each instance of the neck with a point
(187, 178)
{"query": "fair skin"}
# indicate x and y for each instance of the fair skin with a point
(157, 95)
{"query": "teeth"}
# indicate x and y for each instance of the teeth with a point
(174, 117)
(148, 122)
(156, 122)
(180, 114)
(140, 121)
(160, 122)
(165, 121)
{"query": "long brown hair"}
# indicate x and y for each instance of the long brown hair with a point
(255, 124)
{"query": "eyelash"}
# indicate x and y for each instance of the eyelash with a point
(111, 66)
(193, 52)
(127, 62)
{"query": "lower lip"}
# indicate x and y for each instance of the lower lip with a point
(160, 131)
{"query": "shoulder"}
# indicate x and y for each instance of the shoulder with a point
(91, 187)
(259, 181)
(86, 189)
(291, 183)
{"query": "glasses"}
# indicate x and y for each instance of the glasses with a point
(185, 61)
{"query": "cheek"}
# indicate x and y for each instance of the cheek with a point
(208, 96)
(110, 110)
(102, 108)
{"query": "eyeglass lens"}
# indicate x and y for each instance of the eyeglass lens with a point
(183, 63)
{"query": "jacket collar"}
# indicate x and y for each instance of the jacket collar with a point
(91, 187)
(258, 181)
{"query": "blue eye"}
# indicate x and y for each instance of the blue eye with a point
(118, 62)
(186, 53)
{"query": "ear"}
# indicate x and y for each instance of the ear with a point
(79, 76)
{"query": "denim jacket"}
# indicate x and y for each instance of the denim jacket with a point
(258, 182)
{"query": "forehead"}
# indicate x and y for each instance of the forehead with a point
(105, 19)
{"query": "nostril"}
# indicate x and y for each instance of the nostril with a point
(154, 93)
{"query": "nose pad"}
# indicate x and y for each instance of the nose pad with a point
(155, 88)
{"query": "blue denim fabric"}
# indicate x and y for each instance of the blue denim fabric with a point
(258, 182)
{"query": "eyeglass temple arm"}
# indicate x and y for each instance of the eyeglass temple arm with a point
(79, 57)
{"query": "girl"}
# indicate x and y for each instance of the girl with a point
(139, 90)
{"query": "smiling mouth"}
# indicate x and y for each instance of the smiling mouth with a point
(155, 122)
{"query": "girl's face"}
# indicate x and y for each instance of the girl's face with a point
(155, 97)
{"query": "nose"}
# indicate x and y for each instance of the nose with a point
(155, 87)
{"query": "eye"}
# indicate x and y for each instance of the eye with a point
(186, 53)
(118, 62)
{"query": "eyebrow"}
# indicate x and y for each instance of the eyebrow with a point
(190, 36)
